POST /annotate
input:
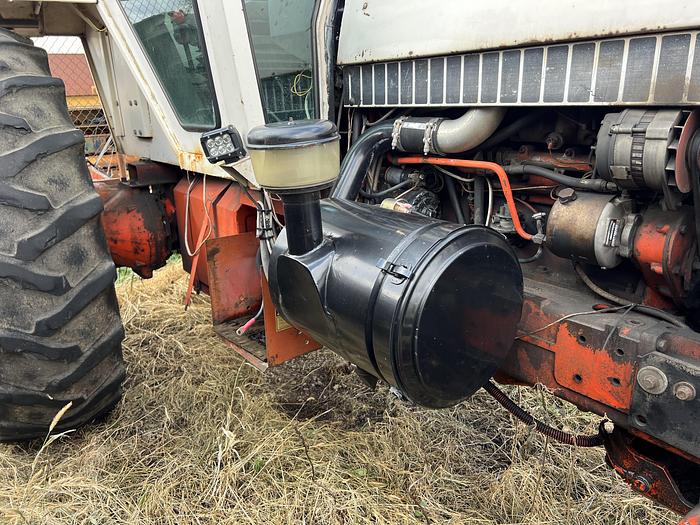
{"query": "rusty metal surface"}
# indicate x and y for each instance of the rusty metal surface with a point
(138, 224)
(148, 173)
(248, 345)
(283, 341)
(230, 274)
(645, 474)
(234, 276)
(589, 360)
(662, 250)
(198, 217)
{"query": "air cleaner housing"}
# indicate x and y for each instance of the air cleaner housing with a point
(429, 306)
(295, 155)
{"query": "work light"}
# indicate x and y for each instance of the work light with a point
(223, 144)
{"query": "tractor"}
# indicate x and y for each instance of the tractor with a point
(448, 195)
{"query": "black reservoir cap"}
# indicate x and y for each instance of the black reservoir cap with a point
(292, 134)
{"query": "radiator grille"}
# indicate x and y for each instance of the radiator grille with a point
(642, 70)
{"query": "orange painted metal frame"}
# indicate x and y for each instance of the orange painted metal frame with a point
(283, 342)
(234, 276)
(231, 276)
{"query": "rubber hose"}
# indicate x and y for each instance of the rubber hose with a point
(379, 194)
(510, 130)
(372, 143)
(454, 199)
(573, 182)
(595, 440)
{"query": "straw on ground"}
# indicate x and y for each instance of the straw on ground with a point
(203, 438)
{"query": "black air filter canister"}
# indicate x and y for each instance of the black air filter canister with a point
(431, 307)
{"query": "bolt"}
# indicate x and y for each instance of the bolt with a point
(652, 380)
(640, 483)
(684, 391)
(683, 229)
(661, 345)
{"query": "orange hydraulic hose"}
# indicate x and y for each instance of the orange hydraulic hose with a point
(481, 165)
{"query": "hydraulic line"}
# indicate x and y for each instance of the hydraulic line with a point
(533, 257)
(480, 165)
(573, 182)
(557, 435)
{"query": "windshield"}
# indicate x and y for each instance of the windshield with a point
(280, 32)
(170, 34)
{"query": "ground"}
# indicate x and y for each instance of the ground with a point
(202, 438)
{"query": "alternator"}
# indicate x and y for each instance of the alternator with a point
(637, 148)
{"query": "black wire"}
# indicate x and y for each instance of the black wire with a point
(255, 202)
(641, 308)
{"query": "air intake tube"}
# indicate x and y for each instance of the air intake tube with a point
(431, 307)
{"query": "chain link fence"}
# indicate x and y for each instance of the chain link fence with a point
(68, 62)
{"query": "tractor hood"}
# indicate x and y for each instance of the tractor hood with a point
(380, 30)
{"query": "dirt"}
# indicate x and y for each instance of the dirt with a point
(323, 387)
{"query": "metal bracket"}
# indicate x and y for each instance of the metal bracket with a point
(398, 271)
(396, 132)
(430, 127)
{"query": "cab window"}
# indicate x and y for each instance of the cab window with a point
(171, 36)
(280, 34)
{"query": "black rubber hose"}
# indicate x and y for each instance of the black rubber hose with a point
(479, 202)
(384, 193)
(595, 440)
(454, 199)
(511, 129)
(371, 144)
(573, 182)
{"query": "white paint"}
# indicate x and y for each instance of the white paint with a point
(382, 30)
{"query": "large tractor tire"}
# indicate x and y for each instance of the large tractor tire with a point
(60, 330)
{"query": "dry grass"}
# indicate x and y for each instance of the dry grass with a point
(201, 437)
